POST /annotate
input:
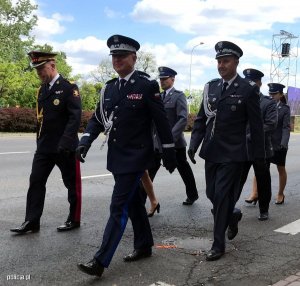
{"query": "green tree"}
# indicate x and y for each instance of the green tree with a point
(16, 22)
(89, 95)
(194, 100)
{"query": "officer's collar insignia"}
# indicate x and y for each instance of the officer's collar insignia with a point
(235, 84)
(214, 99)
(57, 82)
(132, 81)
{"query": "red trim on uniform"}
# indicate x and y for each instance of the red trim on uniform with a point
(77, 191)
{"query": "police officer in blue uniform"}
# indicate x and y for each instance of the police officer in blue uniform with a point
(263, 177)
(176, 107)
(280, 137)
(58, 120)
(228, 105)
(128, 106)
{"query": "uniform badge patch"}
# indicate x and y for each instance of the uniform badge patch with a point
(75, 92)
(56, 101)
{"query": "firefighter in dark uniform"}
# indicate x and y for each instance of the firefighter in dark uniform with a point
(263, 191)
(128, 106)
(228, 105)
(280, 137)
(176, 107)
(58, 120)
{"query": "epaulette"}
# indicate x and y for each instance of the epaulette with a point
(268, 97)
(213, 80)
(143, 75)
(111, 80)
(178, 91)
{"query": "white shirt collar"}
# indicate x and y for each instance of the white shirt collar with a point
(128, 76)
(230, 81)
(53, 80)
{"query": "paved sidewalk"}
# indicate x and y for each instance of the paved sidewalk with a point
(293, 280)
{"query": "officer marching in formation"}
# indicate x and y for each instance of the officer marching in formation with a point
(228, 105)
(176, 108)
(262, 189)
(280, 137)
(58, 120)
(128, 106)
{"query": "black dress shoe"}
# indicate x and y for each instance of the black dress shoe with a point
(214, 255)
(92, 268)
(263, 216)
(68, 225)
(233, 228)
(189, 202)
(27, 226)
(138, 254)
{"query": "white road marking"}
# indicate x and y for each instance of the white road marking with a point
(95, 176)
(291, 228)
(159, 283)
(9, 153)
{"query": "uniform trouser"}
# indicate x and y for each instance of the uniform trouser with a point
(126, 202)
(42, 166)
(222, 188)
(263, 179)
(184, 170)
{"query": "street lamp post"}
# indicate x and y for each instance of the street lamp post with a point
(189, 98)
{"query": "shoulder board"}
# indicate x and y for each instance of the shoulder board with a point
(213, 80)
(111, 80)
(177, 91)
(143, 75)
(268, 97)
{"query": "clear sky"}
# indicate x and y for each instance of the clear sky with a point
(170, 29)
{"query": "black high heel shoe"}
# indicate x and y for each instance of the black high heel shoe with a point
(251, 201)
(157, 208)
(280, 202)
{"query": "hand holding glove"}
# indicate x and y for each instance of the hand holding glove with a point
(81, 152)
(169, 159)
(191, 154)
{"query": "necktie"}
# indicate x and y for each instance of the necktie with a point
(122, 84)
(225, 84)
(48, 86)
(163, 95)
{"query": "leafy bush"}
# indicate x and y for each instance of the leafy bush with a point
(24, 119)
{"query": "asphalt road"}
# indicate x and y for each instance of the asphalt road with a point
(257, 256)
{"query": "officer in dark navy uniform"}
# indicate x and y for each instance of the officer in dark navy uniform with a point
(263, 192)
(228, 105)
(128, 106)
(280, 137)
(58, 120)
(176, 107)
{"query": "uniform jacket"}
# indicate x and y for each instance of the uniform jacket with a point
(130, 143)
(281, 134)
(176, 107)
(58, 116)
(270, 117)
(224, 136)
